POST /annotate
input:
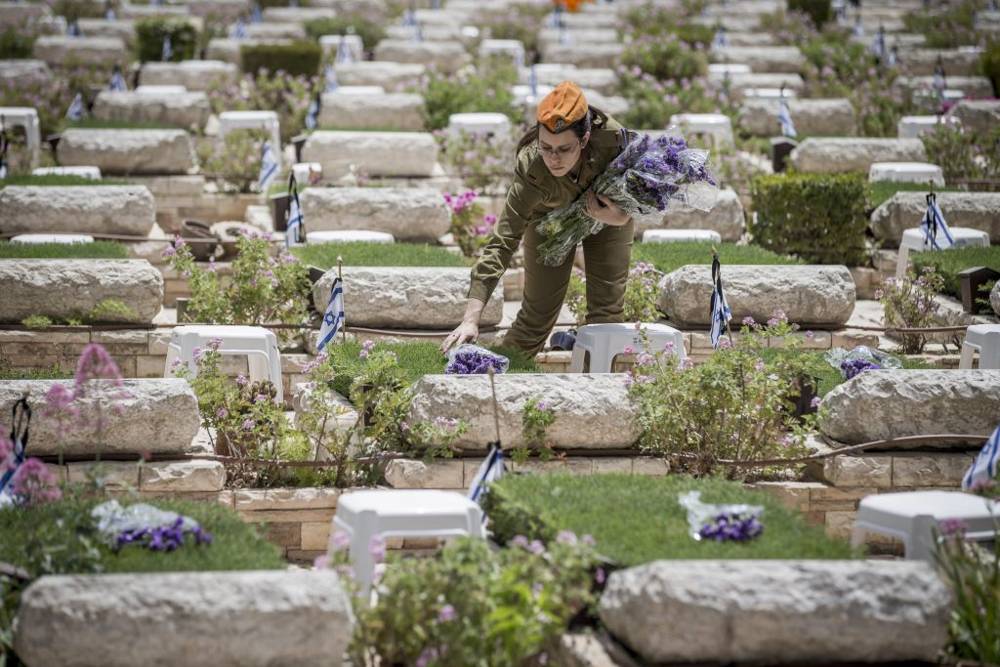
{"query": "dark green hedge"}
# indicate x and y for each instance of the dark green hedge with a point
(819, 217)
(989, 63)
(16, 45)
(297, 58)
(149, 34)
(819, 11)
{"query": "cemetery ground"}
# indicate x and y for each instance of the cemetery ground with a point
(187, 188)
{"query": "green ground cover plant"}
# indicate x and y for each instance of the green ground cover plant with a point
(813, 362)
(300, 58)
(324, 255)
(669, 256)
(948, 263)
(57, 180)
(91, 123)
(95, 250)
(488, 90)
(150, 33)
(636, 519)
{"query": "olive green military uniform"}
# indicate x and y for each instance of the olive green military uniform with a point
(534, 193)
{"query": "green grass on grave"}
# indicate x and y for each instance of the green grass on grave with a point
(637, 519)
(324, 255)
(416, 358)
(669, 256)
(102, 124)
(95, 250)
(882, 191)
(55, 529)
(949, 263)
(816, 365)
(57, 180)
(50, 373)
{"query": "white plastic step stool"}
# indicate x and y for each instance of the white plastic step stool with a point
(984, 339)
(605, 341)
(479, 123)
(906, 172)
(912, 516)
(401, 513)
(349, 236)
(32, 239)
(259, 345)
(913, 241)
(680, 235)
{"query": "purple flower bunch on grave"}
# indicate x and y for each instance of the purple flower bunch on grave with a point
(851, 367)
(732, 527)
(645, 176)
(163, 538)
(473, 360)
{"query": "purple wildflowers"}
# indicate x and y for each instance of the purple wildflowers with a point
(733, 527)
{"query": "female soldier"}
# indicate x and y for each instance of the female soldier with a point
(556, 162)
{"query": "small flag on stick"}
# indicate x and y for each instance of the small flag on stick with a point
(330, 79)
(4, 146)
(76, 109)
(934, 224)
(312, 114)
(333, 318)
(293, 230)
(986, 465)
(167, 52)
(239, 30)
(117, 83)
(533, 81)
(344, 53)
(785, 118)
(268, 167)
(721, 39)
(720, 313)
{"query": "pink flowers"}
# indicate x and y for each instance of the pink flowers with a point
(6, 454)
(459, 203)
(446, 614)
(95, 364)
(376, 548)
(34, 483)
(366, 349)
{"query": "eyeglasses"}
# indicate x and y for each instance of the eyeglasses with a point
(561, 150)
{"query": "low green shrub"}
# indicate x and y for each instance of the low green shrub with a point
(669, 256)
(947, 25)
(150, 33)
(665, 59)
(236, 160)
(948, 263)
(652, 102)
(92, 123)
(95, 250)
(16, 44)
(57, 180)
(962, 154)
(370, 32)
(819, 11)
(299, 58)
(815, 365)
(488, 90)
(49, 373)
(324, 255)
(819, 217)
(636, 519)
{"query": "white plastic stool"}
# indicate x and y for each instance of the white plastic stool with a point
(331, 45)
(715, 125)
(913, 240)
(605, 341)
(401, 513)
(303, 170)
(510, 48)
(906, 172)
(912, 516)
(34, 239)
(479, 123)
(911, 127)
(680, 235)
(26, 117)
(984, 339)
(93, 173)
(349, 236)
(160, 90)
(259, 345)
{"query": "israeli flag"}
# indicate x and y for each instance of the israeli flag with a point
(987, 462)
(557, 16)
(410, 18)
(4, 144)
(344, 53)
(333, 318)
(418, 32)
(239, 30)
(720, 312)
(312, 114)
(878, 45)
(293, 230)
(19, 436)
(167, 52)
(110, 15)
(268, 167)
(859, 28)
(721, 39)
(73, 29)
(533, 82)
(76, 110)
(939, 82)
(934, 224)
(255, 14)
(785, 118)
(117, 81)
(890, 59)
(330, 79)
(490, 470)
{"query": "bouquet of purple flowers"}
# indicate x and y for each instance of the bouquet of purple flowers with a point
(851, 367)
(475, 360)
(645, 177)
(732, 526)
(163, 538)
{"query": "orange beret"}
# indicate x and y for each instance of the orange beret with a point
(562, 107)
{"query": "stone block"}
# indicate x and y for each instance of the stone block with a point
(111, 209)
(156, 416)
(392, 76)
(286, 534)
(128, 151)
(592, 411)
(863, 470)
(309, 498)
(972, 86)
(779, 59)
(123, 29)
(294, 517)
(316, 535)
(68, 51)
(610, 464)
(574, 465)
(447, 57)
(147, 366)
(114, 475)
(409, 214)
(183, 476)
(977, 116)
(391, 111)
(585, 55)
(725, 217)
(842, 154)
(379, 154)
(796, 612)
(910, 403)
(956, 62)
(831, 499)
(904, 210)
(934, 470)
(255, 618)
(18, 73)
(184, 110)
(793, 495)
(821, 295)
(405, 298)
(415, 474)
(812, 117)
(66, 288)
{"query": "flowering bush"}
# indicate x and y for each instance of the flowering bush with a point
(665, 59)
(235, 160)
(485, 89)
(641, 294)
(51, 97)
(473, 605)
(263, 289)
(962, 154)
(909, 303)
(470, 227)
(652, 102)
(483, 162)
(287, 95)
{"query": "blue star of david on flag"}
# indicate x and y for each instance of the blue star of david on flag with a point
(333, 318)
(720, 312)
(934, 224)
(293, 230)
(987, 463)
(268, 167)
(76, 110)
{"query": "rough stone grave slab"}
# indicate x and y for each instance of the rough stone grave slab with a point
(297, 14)
(877, 405)
(66, 288)
(185, 110)
(123, 29)
(155, 415)
(104, 209)
(740, 83)
(585, 55)
(200, 75)
(973, 86)
(725, 217)
(904, 210)
(995, 298)
(391, 111)
(20, 14)
(127, 151)
(254, 618)
(391, 76)
(448, 57)
(19, 73)
(842, 154)
(956, 62)
(405, 297)
(193, 476)
(275, 31)
(374, 153)
(810, 295)
(221, 10)
(977, 116)
(553, 36)
(778, 611)
(761, 58)
(592, 410)
(229, 50)
(812, 117)
(600, 79)
(410, 214)
(63, 50)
